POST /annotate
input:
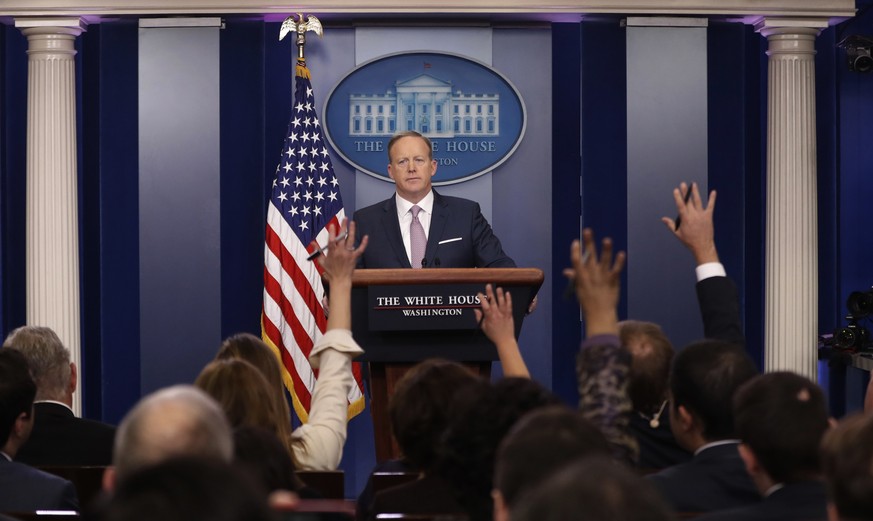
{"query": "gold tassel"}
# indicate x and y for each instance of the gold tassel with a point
(302, 71)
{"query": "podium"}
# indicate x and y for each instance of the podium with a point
(403, 316)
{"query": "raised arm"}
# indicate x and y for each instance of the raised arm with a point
(495, 319)
(716, 293)
(602, 365)
(318, 445)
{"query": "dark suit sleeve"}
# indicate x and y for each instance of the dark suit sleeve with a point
(720, 308)
(69, 500)
(488, 251)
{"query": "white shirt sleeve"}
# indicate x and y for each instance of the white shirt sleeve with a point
(710, 269)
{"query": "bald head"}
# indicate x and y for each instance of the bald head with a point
(176, 421)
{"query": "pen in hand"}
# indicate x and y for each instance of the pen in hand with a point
(318, 251)
(687, 198)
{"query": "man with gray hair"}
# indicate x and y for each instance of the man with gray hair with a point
(58, 437)
(176, 421)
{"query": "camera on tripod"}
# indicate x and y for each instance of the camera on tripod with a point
(855, 337)
(858, 53)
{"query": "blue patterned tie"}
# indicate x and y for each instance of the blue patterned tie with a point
(418, 239)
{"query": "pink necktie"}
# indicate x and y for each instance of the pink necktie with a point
(417, 238)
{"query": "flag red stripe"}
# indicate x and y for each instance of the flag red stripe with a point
(301, 337)
(289, 265)
(300, 390)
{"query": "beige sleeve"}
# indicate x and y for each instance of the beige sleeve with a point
(318, 445)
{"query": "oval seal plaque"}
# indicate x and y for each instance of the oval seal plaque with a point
(472, 113)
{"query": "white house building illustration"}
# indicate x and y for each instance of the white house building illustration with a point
(425, 104)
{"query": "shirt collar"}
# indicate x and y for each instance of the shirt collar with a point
(4, 455)
(425, 204)
(716, 444)
(774, 488)
(56, 403)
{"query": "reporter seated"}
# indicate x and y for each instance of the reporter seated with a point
(539, 445)
(419, 410)
(59, 438)
(24, 488)
(592, 489)
(186, 489)
(781, 418)
(847, 462)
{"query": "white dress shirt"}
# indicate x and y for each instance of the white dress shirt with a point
(404, 216)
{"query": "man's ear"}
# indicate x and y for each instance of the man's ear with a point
(686, 419)
(753, 467)
(501, 509)
(74, 377)
(833, 515)
(109, 477)
(22, 424)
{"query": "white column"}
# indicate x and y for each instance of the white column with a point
(791, 275)
(52, 195)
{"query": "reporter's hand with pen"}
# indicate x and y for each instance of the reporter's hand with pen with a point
(340, 255)
(696, 231)
(338, 263)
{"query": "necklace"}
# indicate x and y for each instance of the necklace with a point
(655, 420)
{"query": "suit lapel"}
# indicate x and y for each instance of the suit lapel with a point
(392, 230)
(437, 224)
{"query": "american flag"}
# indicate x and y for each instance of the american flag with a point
(305, 199)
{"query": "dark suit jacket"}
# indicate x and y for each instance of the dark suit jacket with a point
(26, 489)
(658, 447)
(475, 245)
(803, 501)
(715, 479)
(365, 499)
(720, 309)
(428, 495)
(59, 438)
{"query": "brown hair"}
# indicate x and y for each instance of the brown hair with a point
(651, 355)
(421, 407)
(248, 347)
(847, 461)
(410, 133)
(245, 396)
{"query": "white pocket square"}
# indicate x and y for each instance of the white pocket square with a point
(450, 240)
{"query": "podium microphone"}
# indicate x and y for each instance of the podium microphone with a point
(436, 262)
(424, 263)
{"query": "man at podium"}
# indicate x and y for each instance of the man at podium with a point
(419, 228)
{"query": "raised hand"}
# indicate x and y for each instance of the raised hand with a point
(340, 255)
(495, 319)
(597, 281)
(696, 230)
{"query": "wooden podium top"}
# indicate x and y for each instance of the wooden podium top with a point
(532, 277)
